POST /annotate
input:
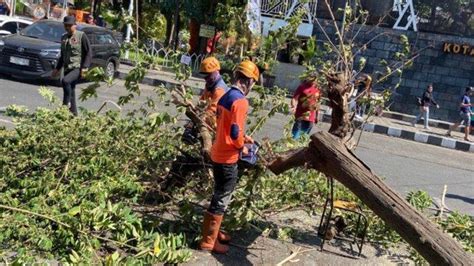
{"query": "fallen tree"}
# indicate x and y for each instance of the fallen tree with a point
(330, 152)
(327, 154)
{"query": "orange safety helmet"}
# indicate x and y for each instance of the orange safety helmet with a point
(210, 65)
(249, 69)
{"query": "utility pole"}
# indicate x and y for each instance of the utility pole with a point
(129, 27)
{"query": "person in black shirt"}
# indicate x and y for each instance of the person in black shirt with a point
(426, 101)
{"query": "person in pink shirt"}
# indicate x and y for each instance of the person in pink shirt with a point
(305, 106)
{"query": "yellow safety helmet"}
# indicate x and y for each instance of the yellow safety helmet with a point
(249, 69)
(210, 65)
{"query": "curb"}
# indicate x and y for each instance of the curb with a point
(420, 137)
(432, 123)
(410, 118)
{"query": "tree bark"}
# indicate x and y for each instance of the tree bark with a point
(199, 119)
(338, 94)
(176, 26)
(169, 29)
(204, 131)
(327, 154)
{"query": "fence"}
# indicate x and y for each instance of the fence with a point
(164, 57)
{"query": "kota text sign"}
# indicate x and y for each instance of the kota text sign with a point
(453, 48)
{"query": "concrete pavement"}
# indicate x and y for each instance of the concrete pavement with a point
(406, 165)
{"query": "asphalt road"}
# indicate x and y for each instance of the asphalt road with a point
(405, 165)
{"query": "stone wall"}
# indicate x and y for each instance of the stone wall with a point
(288, 75)
(450, 73)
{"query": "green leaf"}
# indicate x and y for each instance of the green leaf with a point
(74, 211)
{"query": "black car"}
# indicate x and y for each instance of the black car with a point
(34, 52)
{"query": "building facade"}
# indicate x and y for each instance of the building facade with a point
(443, 42)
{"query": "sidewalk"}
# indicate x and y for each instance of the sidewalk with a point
(157, 78)
(391, 123)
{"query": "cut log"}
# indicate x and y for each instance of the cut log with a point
(205, 132)
(192, 112)
(328, 155)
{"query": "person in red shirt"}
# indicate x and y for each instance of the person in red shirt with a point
(305, 106)
(229, 142)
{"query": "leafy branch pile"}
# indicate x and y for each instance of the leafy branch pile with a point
(79, 190)
(68, 188)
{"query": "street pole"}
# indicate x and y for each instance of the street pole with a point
(129, 27)
(12, 6)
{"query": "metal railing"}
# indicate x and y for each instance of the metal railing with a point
(166, 57)
(286, 8)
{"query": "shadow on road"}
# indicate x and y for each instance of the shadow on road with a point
(36, 82)
(458, 197)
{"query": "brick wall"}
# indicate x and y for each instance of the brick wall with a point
(449, 73)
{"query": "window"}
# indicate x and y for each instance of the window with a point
(11, 27)
(23, 25)
(91, 37)
(45, 31)
(104, 39)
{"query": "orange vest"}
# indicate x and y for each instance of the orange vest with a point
(212, 98)
(231, 117)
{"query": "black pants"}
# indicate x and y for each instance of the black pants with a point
(69, 85)
(225, 180)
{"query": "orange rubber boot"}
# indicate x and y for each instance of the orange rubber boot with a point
(210, 230)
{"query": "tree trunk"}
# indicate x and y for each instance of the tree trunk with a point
(327, 154)
(194, 33)
(97, 8)
(338, 94)
(169, 29)
(176, 26)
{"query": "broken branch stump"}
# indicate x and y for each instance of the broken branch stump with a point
(328, 155)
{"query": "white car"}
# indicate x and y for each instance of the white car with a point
(11, 25)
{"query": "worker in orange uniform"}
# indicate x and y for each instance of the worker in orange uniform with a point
(228, 146)
(215, 88)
